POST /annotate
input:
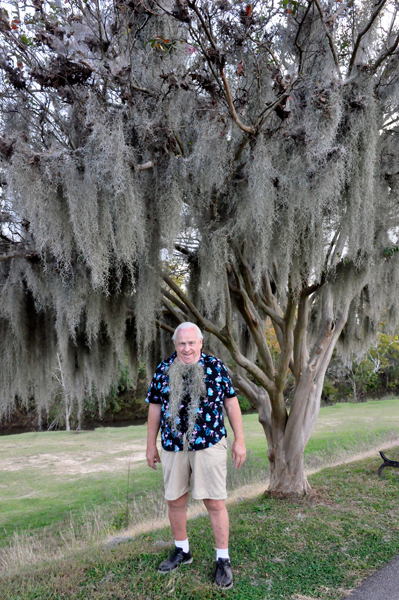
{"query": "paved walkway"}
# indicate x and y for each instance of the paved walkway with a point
(383, 585)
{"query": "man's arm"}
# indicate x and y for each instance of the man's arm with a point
(153, 423)
(233, 411)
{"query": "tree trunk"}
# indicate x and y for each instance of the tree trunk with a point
(67, 414)
(286, 443)
(287, 469)
(286, 451)
(287, 472)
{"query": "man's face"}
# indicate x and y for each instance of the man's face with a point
(188, 345)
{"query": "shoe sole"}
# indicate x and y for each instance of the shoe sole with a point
(185, 562)
(224, 587)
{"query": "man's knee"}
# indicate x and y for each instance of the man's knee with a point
(214, 506)
(179, 503)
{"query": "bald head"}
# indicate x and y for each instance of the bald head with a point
(188, 343)
(187, 325)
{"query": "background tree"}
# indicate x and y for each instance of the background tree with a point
(256, 144)
(375, 372)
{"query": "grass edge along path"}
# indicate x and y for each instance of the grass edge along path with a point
(304, 549)
(246, 492)
(58, 484)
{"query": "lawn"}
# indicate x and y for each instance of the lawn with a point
(318, 548)
(50, 478)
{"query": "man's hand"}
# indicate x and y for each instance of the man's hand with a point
(239, 453)
(152, 457)
(154, 420)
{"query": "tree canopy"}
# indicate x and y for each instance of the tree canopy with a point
(251, 147)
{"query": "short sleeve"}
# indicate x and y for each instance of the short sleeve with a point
(154, 395)
(229, 391)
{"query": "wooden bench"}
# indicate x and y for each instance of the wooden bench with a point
(387, 463)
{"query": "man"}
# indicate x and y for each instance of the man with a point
(186, 400)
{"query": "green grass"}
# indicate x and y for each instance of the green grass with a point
(48, 478)
(346, 424)
(342, 426)
(52, 475)
(291, 550)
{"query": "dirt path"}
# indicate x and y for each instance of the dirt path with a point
(244, 493)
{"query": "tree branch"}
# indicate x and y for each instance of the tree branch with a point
(254, 323)
(224, 336)
(311, 289)
(228, 303)
(270, 301)
(385, 54)
(329, 36)
(300, 348)
(165, 327)
(180, 143)
(296, 41)
(241, 148)
(257, 373)
(267, 111)
(326, 331)
(206, 324)
(287, 346)
(207, 32)
(150, 11)
(174, 311)
(145, 166)
(175, 300)
(362, 33)
(232, 107)
(250, 287)
(183, 250)
(246, 387)
(141, 89)
(263, 45)
(18, 254)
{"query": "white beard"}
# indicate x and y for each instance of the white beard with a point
(185, 380)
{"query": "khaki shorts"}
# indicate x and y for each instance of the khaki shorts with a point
(207, 470)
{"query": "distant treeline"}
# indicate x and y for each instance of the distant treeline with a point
(375, 373)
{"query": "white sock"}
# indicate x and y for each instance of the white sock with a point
(184, 545)
(222, 553)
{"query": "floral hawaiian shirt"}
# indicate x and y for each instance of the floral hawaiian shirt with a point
(209, 427)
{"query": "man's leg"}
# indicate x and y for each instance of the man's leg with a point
(219, 521)
(176, 472)
(209, 468)
(177, 510)
(220, 526)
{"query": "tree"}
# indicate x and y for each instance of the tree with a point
(373, 372)
(63, 392)
(252, 146)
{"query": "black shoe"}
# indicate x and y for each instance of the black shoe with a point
(176, 559)
(223, 574)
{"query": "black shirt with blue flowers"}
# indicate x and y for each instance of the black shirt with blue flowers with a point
(209, 428)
